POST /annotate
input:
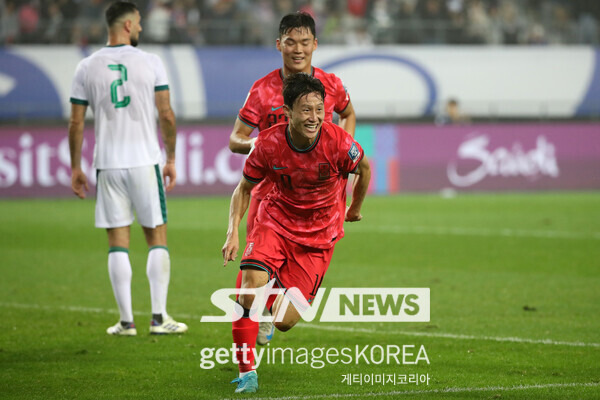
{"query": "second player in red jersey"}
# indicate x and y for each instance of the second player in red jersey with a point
(263, 107)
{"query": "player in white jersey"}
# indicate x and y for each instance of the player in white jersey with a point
(123, 85)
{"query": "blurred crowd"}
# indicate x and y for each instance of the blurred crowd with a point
(350, 22)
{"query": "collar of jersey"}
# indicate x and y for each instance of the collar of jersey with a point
(312, 72)
(288, 137)
(117, 45)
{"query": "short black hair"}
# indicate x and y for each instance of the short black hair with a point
(118, 9)
(297, 20)
(298, 85)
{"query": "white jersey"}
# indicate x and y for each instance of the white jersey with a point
(118, 83)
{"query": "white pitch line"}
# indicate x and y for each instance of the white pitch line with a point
(448, 335)
(95, 310)
(328, 327)
(430, 230)
(433, 391)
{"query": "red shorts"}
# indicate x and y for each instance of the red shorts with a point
(289, 263)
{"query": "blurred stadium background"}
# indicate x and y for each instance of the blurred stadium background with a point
(524, 77)
(349, 22)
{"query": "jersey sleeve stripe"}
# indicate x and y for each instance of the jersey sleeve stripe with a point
(246, 122)
(251, 179)
(162, 87)
(79, 101)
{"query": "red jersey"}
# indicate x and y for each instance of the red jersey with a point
(264, 106)
(304, 205)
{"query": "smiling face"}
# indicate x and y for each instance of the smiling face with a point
(305, 119)
(296, 47)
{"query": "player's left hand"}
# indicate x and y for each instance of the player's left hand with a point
(352, 216)
(169, 175)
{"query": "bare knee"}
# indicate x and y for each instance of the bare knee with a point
(246, 300)
(156, 236)
(251, 279)
(118, 237)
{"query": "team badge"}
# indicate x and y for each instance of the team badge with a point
(249, 249)
(353, 152)
(324, 170)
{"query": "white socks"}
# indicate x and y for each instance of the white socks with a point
(158, 269)
(119, 270)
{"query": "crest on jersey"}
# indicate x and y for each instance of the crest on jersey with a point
(249, 249)
(324, 170)
(353, 152)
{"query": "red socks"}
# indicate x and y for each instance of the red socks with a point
(244, 332)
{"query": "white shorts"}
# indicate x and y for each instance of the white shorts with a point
(121, 191)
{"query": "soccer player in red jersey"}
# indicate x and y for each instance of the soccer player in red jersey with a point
(264, 107)
(300, 220)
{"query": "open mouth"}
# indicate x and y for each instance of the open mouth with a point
(312, 127)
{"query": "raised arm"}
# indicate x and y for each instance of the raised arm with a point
(239, 140)
(79, 183)
(348, 119)
(168, 130)
(359, 190)
(239, 204)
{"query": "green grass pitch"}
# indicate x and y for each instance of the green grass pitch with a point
(515, 302)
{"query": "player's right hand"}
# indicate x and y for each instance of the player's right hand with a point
(352, 215)
(169, 175)
(230, 248)
(79, 183)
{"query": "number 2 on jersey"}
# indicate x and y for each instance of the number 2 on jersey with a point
(114, 97)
